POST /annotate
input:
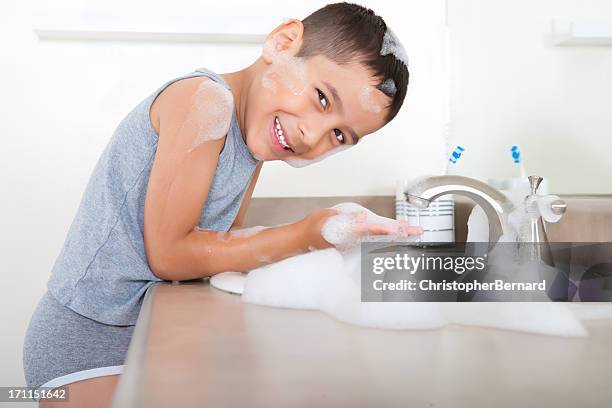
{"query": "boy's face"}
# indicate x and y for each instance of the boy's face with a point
(300, 110)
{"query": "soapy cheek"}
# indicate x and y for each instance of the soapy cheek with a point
(286, 71)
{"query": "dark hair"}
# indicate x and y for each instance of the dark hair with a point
(344, 33)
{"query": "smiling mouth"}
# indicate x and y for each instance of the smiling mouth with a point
(280, 135)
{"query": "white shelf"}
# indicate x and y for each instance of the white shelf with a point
(581, 32)
(194, 29)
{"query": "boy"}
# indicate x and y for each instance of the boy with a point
(179, 173)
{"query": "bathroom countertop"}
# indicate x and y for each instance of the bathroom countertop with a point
(197, 346)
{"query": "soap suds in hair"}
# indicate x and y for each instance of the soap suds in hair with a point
(392, 45)
(388, 87)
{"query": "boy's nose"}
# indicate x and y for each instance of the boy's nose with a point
(311, 135)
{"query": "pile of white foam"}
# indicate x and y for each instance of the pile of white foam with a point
(329, 280)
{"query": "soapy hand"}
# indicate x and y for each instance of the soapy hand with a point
(345, 225)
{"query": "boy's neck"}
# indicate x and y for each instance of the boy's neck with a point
(240, 83)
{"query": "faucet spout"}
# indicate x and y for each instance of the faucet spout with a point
(422, 191)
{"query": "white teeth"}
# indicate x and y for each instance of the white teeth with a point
(279, 134)
(282, 141)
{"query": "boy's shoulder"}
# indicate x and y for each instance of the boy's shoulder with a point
(177, 95)
(199, 108)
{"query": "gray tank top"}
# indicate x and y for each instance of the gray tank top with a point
(102, 271)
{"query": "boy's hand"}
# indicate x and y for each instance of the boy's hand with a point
(313, 224)
(345, 225)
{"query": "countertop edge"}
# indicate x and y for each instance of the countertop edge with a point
(131, 380)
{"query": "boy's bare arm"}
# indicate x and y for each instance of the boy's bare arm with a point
(178, 187)
(205, 253)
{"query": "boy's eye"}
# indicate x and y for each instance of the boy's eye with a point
(322, 99)
(340, 136)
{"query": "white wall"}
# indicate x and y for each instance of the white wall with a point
(509, 86)
(62, 100)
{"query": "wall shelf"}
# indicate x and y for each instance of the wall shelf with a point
(581, 33)
(194, 29)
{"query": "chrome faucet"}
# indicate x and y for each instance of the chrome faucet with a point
(536, 231)
(422, 191)
(532, 234)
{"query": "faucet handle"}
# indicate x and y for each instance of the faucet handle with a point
(534, 183)
(558, 207)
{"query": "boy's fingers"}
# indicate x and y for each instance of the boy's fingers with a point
(405, 230)
(379, 229)
(410, 230)
(373, 229)
(361, 217)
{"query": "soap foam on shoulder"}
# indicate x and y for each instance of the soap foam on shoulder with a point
(211, 112)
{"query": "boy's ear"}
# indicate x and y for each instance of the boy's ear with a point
(286, 37)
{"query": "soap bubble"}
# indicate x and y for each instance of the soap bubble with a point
(392, 45)
(366, 100)
(211, 111)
